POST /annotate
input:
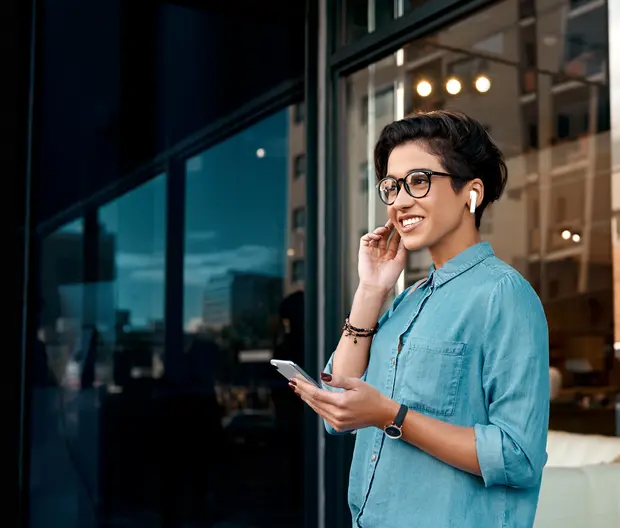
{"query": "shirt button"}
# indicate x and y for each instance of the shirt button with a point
(373, 457)
(393, 361)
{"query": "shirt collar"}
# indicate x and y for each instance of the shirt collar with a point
(460, 263)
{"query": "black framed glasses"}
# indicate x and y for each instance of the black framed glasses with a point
(417, 183)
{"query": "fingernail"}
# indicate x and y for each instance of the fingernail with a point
(326, 377)
(292, 384)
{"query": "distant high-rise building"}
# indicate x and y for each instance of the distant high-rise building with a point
(294, 274)
(242, 300)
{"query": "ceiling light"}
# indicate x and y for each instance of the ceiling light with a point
(453, 86)
(483, 84)
(424, 88)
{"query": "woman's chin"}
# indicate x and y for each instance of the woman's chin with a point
(414, 241)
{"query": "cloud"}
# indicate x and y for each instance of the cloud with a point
(194, 164)
(76, 226)
(201, 235)
(139, 260)
(201, 267)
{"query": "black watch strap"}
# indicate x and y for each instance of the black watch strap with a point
(400, 416)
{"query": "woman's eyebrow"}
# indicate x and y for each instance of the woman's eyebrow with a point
(409, 171)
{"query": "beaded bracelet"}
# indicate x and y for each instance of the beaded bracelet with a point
(350, 330)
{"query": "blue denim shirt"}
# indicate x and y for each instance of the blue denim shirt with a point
(475, 353)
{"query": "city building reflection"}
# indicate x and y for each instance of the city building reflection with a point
(209, 429)
(243, 305)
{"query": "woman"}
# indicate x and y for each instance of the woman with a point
(449, 390)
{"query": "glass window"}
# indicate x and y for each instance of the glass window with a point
(537, 82)
(360, 17)
(300, 165)
(297, 270)
(365, 177)
(383, 105)
(300, 112)
(299, 218)
(55, 486)
(98, 366)
(243, 305)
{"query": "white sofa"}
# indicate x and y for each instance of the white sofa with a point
(581, 482)
(577, 450)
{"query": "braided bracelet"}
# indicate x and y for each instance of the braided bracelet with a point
(350, 330)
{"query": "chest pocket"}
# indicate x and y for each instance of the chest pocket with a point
(430, 374)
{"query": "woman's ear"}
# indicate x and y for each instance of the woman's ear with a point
(477, 186)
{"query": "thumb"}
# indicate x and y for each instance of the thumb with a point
(340, 382)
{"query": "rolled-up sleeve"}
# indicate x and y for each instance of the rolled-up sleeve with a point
(511, 447)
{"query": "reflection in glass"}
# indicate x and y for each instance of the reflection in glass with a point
(97, 365)
(130, 347)
(536, 79)
(360, 17)
(55, 486)
(243, 305)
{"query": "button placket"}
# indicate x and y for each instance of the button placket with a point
(398, 350)
(390, 385)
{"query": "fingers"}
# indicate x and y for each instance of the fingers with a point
(321, 412)
(370, 239)
(309, 392)
(328, 416)
(395, 243)
(385, 231)
(328, 405)
(378, 237)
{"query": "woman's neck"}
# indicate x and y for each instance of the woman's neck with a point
(454, 243)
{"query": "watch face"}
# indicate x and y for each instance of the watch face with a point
(393, 431)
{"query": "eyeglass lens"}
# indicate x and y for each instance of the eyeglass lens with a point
(418, 184)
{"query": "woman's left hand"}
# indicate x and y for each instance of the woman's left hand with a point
(359, 405)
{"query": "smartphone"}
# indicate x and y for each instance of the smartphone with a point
(291, 370)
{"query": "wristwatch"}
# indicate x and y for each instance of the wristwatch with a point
(394, 430)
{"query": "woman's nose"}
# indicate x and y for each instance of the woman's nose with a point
(403, 199)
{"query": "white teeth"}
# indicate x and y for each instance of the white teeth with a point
(410, 221)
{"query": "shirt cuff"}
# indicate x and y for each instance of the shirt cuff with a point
(490, 454)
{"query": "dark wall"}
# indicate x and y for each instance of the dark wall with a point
(14, 52)
(120, 81)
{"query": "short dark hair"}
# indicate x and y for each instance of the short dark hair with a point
(461, 144)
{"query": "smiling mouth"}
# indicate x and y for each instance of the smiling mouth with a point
(409, 224)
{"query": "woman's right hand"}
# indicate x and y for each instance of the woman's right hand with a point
(379, 262)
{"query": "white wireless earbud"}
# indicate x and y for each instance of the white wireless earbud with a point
(473, 198)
